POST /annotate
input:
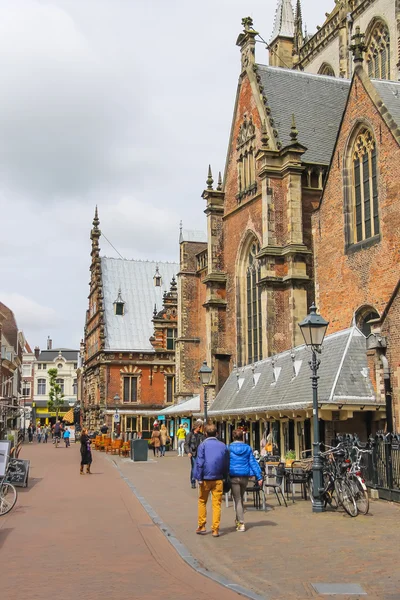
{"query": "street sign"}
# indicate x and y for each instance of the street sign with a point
(117, 418)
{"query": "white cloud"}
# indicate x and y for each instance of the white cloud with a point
(30, 315)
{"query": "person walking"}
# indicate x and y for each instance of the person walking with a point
(66, 436)
(156, 440)
(242, 465)
(192, 442)
(30, 433)
(164, 439)
(86, 451)
(181, 436)
(211, 468)
(45, 434)
(39, 434)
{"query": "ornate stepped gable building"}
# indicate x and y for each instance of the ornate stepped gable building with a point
(254, 275)
(129, 343)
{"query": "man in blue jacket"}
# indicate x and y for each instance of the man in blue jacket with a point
(212, 466)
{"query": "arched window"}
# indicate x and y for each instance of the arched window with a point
(253, 306)
(378, 51)
(246, 163)
(365, 210)
(363, 316)
(326, 69)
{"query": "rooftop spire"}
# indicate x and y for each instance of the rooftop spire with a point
(298, 28)
(210, 179)
(96, 220)
(284, 20)
(219, 186)
(293, 130)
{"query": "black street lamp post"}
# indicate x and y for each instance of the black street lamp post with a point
(205, 374)
(313, 329)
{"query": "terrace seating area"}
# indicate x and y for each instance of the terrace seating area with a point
(104, 443)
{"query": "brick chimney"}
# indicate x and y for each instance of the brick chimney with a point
(37, 352)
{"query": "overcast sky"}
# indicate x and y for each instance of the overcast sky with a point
(122, 103)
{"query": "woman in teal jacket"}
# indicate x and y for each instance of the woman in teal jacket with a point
(242, 465)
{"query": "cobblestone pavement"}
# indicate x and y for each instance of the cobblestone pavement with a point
(284, 550)
(73, 536)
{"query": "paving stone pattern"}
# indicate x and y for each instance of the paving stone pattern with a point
(73, 536)
(285, 550)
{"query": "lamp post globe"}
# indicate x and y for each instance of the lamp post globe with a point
(313, 329)
(205, 374)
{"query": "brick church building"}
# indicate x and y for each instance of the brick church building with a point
(307, 210)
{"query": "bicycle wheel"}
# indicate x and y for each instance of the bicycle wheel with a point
(360, 495)
(345, 497)
(8, 498)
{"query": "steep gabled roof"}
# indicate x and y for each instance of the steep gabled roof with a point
(317, 101)
(9, 326)
(282, 382)
(134, 278)
(389, 91)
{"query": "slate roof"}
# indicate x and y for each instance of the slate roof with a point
(191, 235)
(343, 379)
(50, 355)
(132, 330)
(389, 92)
(318, 103)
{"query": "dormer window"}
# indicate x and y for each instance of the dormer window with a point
(157, 278)
(119, 305)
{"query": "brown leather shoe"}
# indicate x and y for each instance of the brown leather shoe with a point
(215, 533)
(201, 530)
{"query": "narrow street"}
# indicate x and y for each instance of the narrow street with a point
(88, 537)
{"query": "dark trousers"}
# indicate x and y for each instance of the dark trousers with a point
(192, 466)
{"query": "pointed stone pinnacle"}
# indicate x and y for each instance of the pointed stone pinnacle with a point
(264, 135)
(96, 221)
(293, 130)
(219, 186)
(155, 310)
(210, 179)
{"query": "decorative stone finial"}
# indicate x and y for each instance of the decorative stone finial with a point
(247, 23)
(96, 220)
(264, 135)
(155, 310)
(293, 130)
(210, 179)
(358, 47)
(173, 287)
(219, 186)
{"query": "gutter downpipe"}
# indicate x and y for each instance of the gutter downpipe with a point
(388, 393)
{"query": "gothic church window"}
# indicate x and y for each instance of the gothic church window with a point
(326, 69)
(365, 209)
(246, 161)
(253, 306)
(378, 52)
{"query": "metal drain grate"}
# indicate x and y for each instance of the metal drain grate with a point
(339, 589)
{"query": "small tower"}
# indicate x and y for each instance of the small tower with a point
(281, 46)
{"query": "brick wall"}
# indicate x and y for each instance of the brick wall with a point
(347, 281)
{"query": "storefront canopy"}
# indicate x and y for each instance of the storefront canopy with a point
(184, 408)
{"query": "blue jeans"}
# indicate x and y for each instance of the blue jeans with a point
(162, 448)
(192, 466)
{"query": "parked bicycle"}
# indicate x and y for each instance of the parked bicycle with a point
(8, 493)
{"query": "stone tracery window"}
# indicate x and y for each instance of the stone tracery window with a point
(246, 161)
(378, 52)
(364, 187)
(253, 306)
(326, 69)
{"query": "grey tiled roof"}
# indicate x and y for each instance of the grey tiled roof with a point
(343, 378)
(50, 355)
(389, 92)
(318, 103)
(191, 235)
(132, 330)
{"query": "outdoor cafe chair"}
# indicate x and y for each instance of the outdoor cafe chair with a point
(277, 473)
(298, 474)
